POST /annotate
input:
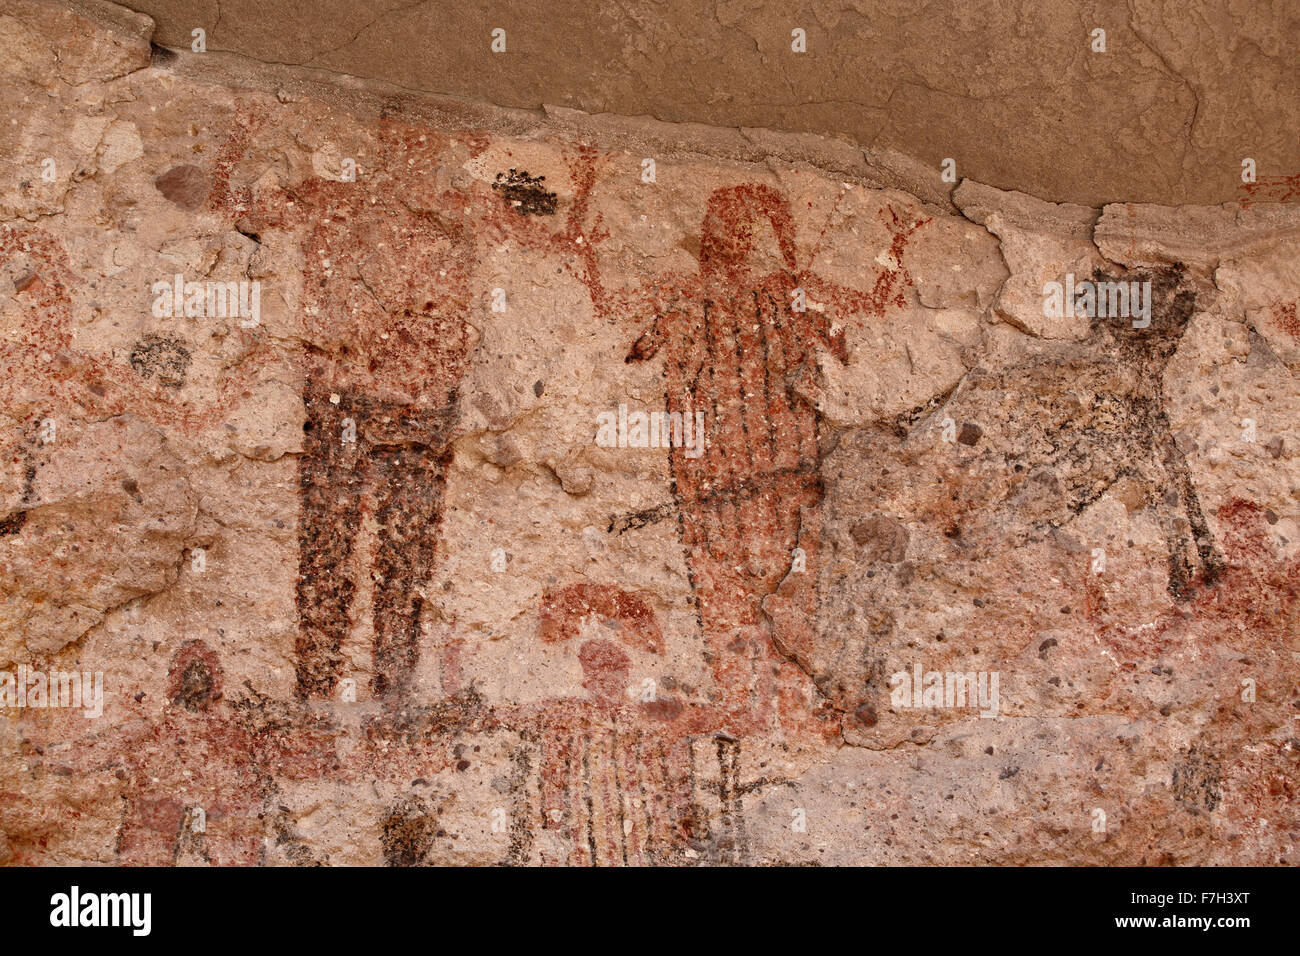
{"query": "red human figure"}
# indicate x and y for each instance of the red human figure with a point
(612, 769)
(199, 781)
(388, 262)
(739, 341)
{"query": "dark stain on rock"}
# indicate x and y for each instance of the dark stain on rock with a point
(521, 834)
(29, 481)
(526, 194)
(462, 712)
(866, 715)
(881, 538)
(406, 832)
(164, 357)
(185, 185)
(196, 687)
(194, 677)
(1196, 780)
(160, 55)
(12, 523)
(635, 520)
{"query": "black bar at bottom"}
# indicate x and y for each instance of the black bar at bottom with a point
(336, 907)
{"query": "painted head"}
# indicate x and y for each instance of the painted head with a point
(194, 677)
(606, 668)
(747, 229)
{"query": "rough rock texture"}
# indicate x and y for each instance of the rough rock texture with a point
(365, 584)
(1017, 93)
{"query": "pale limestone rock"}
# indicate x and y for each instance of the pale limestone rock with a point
(359, 569)
(1040, 242)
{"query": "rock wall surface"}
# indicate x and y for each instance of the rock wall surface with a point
(1088, 101)
(433, 483)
